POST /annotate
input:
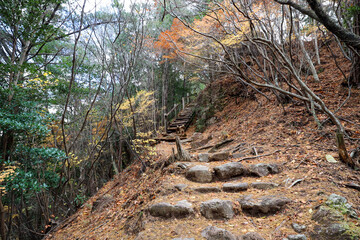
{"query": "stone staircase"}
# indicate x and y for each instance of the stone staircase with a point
(227, 179)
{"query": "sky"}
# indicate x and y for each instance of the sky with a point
(90, 5)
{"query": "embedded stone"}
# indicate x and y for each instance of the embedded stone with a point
(203, 157)
(251, 236)
(296, 237)
(161, 209)
(220, 156)
(180, 186)
(200, 174)
(298, 228)
(263, 169)
(207, 189)
(334, 231)
(217, 209)
(182, 209)
(264, 185)
(229, 170)
(215, 233)
(265, 205)
(326, 214)
(235, 187)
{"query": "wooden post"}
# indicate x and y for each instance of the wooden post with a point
(188, 98)
(175, 113)
(183, 103)
(166, 122)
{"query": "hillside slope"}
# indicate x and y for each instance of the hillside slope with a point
(259, 131)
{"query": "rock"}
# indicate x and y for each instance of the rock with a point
(296, 237)
(199, 143)
(217, 209)
(180, 186)
(326, 214)
(214, 233)
(229, 170)
(265, 205)
(207, 189)
(220, 156)
(235, 187)
(183, 165)
(161, 209)
(334, 231)
(203, 157)
(298, 228)
(263, 169)
(166, 210)
(251, 236)
(182, 209)
(335, 199)
(264, 185)
(199, 173)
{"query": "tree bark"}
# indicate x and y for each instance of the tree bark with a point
(182, 154)
(343, 154)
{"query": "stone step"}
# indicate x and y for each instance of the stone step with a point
(219, 209)
(215, 233)
(262, 205)
(204, 174)
(232, 187)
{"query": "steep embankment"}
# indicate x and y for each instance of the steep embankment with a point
(299, 179)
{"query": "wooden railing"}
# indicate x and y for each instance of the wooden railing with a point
(176, 109)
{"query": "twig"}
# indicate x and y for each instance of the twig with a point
(219, 145)
(300, 163)
(296, 182)
(252, 157)
(278, 227)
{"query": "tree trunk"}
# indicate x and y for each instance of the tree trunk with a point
(182, 154)
(164, 90)
(343, 154)
(2, 220)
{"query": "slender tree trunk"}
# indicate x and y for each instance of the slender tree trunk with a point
(2, 220)
(164, 90)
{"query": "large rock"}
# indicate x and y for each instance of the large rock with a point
(326, 214)
(207, 189)
(229, 170)
(332, 222)
(182, 209)
(334, 231)
(235, 187)
(251, 236)
(220, 156)
(264, 185)
(264, 205)
(263, 169)
(214, 233)
(200, 174)
(217, 209)
(161, 209)
(165, 210)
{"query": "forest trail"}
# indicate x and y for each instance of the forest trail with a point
(255, 132)
(238, 190)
